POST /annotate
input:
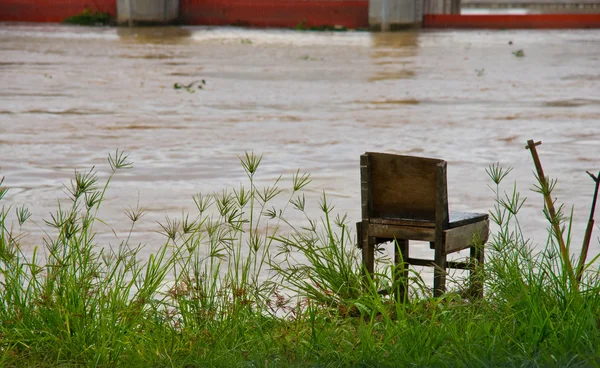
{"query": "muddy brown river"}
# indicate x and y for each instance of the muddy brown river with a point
(71, 95)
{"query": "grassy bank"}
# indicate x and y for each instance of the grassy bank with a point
(221, 291)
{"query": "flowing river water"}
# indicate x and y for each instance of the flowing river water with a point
(311, 100)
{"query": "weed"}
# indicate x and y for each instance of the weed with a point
(90, 17)
(309, 58)
(191, 87)
(519, 53)
(302, 26)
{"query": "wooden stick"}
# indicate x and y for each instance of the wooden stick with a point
(550, 205)
(588, 230)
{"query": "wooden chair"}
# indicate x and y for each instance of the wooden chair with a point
(405, 198)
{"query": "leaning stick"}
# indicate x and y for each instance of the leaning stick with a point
(550, 205)
(588, 230)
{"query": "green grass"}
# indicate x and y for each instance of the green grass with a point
(225, 289)
(90, 17)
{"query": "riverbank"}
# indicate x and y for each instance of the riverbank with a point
(225, 288)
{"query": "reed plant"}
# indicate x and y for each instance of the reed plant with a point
(237, 283)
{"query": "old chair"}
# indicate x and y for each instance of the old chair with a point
(405, 198)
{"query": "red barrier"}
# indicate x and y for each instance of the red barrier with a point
(526, 21)
(277, 13)
(51, 10)
(288, 13)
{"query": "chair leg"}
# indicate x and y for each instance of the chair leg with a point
(439, 272)
(368, 247)
(401, 259)
(475, 280)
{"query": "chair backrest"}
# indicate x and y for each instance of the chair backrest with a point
(403, 187)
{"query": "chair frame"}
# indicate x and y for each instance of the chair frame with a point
(447, 232)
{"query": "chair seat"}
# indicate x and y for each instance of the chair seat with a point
(456, 219)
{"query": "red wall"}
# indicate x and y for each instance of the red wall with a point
(286, 13)
(259, 13)
(528, 21)
(51, 10)
(276, 13)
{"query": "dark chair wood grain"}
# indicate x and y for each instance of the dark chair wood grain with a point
(405, 198)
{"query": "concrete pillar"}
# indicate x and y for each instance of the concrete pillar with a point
(147, 11)
(389, 15)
